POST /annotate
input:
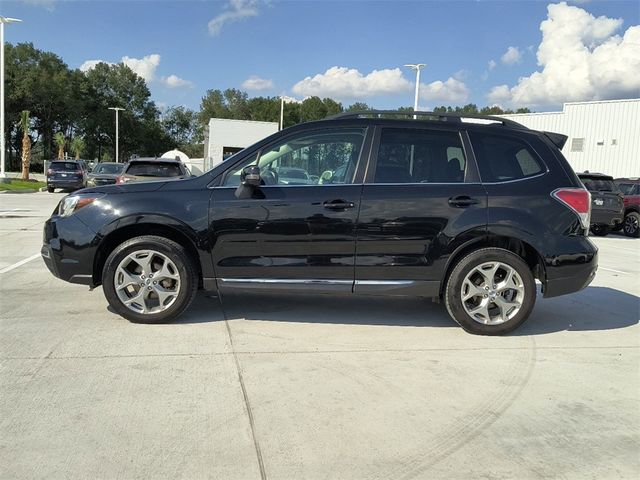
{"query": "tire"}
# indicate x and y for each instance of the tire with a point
(517, 298)
(50, 189)
(600, 230)
(151, 301)
(632, 224)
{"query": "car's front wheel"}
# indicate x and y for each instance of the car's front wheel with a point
(490, 292)
(149, 279)
(50, 189)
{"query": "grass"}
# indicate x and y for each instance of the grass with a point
(18, 185)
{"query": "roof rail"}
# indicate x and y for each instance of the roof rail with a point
(440, 116)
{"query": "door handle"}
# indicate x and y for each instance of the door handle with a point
(338, 205)
(462, 201)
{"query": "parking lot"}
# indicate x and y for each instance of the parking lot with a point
(314, 388)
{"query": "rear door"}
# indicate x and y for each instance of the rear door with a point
(298, 229)
(421, 200)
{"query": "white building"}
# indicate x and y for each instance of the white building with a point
(227, 137)
(603, 136)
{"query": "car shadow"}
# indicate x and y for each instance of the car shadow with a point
(595, 308)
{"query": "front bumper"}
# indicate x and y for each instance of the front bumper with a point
(571, 272)
(69, 248)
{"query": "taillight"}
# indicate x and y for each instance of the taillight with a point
(78, 172)
(578, 200)
(120, 180)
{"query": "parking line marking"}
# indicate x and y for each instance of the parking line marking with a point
(612, 270)
(19, 264)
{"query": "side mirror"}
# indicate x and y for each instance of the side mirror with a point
(250, 176)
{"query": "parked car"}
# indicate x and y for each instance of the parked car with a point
(153, 170)
(66, 174)
(293, 176)
(469, 213)
(630, 188)
(104, 173)
(607, 206)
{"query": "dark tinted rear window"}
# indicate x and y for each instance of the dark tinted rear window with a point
(599, 184)
(501, 159)
(155, 169)
(64, 166)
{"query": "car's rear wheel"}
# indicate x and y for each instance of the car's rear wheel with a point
(632, 224)
(50, 189)
(600, 230)
(149, 279)
(490, 292)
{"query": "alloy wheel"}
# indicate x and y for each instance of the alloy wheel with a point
(631, 225)
(492, 293)
(147, 282)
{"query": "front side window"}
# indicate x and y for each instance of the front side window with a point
(318, 158)
(420, 156)
(501, 159)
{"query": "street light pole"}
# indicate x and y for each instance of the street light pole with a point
(417, 67)
(117, 110)
(3, 20)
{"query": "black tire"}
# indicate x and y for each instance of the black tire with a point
(50, 189)
(453, 291)
(600, 230)
(188, 276)
(632, 224)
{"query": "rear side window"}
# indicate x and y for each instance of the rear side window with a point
(154, 169)
(501, 159)
(420, 156)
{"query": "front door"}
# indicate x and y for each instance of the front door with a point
(422, 198)
(298, 229)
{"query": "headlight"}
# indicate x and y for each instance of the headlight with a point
(73, 203)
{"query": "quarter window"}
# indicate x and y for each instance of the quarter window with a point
(319, 158)
(420, 156)
(501, 159)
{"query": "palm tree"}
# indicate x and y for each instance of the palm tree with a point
(77, 146)
(26, 144)
(59, 140)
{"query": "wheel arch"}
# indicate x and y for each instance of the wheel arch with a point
(516, 245)
(121, 233)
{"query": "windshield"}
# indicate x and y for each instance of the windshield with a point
(64, 166)
(108, 168)
(599, 185)
(154, 169)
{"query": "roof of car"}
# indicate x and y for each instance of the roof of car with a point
(629, 180)
(155, 159)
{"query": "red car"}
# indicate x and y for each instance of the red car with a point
(630, 188)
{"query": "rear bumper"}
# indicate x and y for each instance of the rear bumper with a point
(606, 217)
(72, 183)
(572, 272)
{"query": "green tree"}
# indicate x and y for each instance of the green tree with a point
(77, 146)
(181, 125)
(312, 108)
(358, 106)
(60, 141)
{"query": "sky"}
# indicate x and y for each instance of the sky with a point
(508, 53)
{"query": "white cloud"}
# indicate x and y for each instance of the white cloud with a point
(451, 90)
(491, 64)
(288, 99)
(343, 82)
(256, 83)
(511, 56)
(173, 81)
(581, 58)
(145, 67)
(235, 10)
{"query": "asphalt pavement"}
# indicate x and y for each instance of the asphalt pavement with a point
(305, 387)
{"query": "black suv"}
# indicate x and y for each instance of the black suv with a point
(466, 210)
(607, 206)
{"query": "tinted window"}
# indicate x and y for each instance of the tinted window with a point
(109, 169)
(628, 188)
(320, 158)
(154, 169)
(598, 184)
(501, 159)
(64, 166)
(420, 156)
